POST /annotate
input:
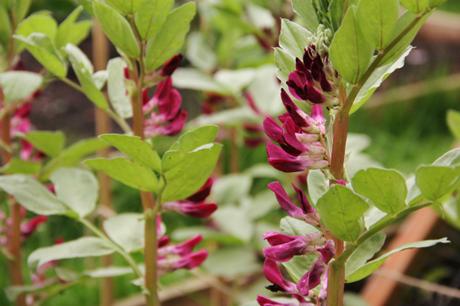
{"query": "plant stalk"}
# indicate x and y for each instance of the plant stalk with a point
(103, 126)
(14, 239)
(148, 201)
(336, 277)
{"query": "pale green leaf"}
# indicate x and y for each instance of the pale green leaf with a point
(230, 189)
(307, 13)
(117, 29)
(318, 185)
(373, 265)
(32, 195)
(77, 188)
(50, 143)
(437, 181)
(135, 148)
(295, 227)
(116, 88)
(385, 188)
(126, 172)
(84, 71)
(364, 252)
(170, 39)
(152, 16)
(17, 86)
(71, 31)
(80, 248)
(342, 212)
(377, 19)
(127, 230)
(294, 38)
(19, 166)
(349, 51)
(189, 78)
(235, 221)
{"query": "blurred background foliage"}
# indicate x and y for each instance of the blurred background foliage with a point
(402, 135)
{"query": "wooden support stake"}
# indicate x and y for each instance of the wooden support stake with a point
(103, 126)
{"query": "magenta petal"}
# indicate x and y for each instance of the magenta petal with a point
(192, 260)
(263, 301)
(304, 203)
(284, 252)
(294, 111)
(283, 161)
(273, 130)
(274, 238)
(273, 274)
(312, 278)
(284, 200)
(203, 193)
(170, 66)
(29, 227)
(327, 252)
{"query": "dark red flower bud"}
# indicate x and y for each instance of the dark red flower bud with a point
(170, 66)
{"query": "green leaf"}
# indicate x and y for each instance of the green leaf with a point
(193, 139)
(307, 13)
(199, 53)
(43, 50)
(403, 37)
(190, 172)
(298, 265)
(453, 120)
(373, 265)
(116, 88)
(72, 32)
(342, 212)
(377, 19)
(72, 155)
(416, 6)
(126, 7)
(170, 39)
(234, 221)
(5, 27)
(127, 230)
(152, 16)
(451, 158)
(385, 188)
(17, 86)
(135, 148)
(295, 227)
(19, 166)
(80, 248)
(350, 52)
(376, 80)
(50, 143)
(38, 23)
(117, 29)
(318, 184)
(364, 252)
(232, 262)
(77, 188)
(437, 181)
(230, 189)
(189, 78)
(84, 71)
(32, 195)
(126, 172)
(285, 63)
(21, 9)
(294, 38)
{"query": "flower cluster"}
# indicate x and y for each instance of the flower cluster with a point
(301, 145)
(195, 205)
(282, 248)
(164, 112)
(178, 256)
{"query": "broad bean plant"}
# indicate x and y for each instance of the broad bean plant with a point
(329, 68)
(327, 65)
